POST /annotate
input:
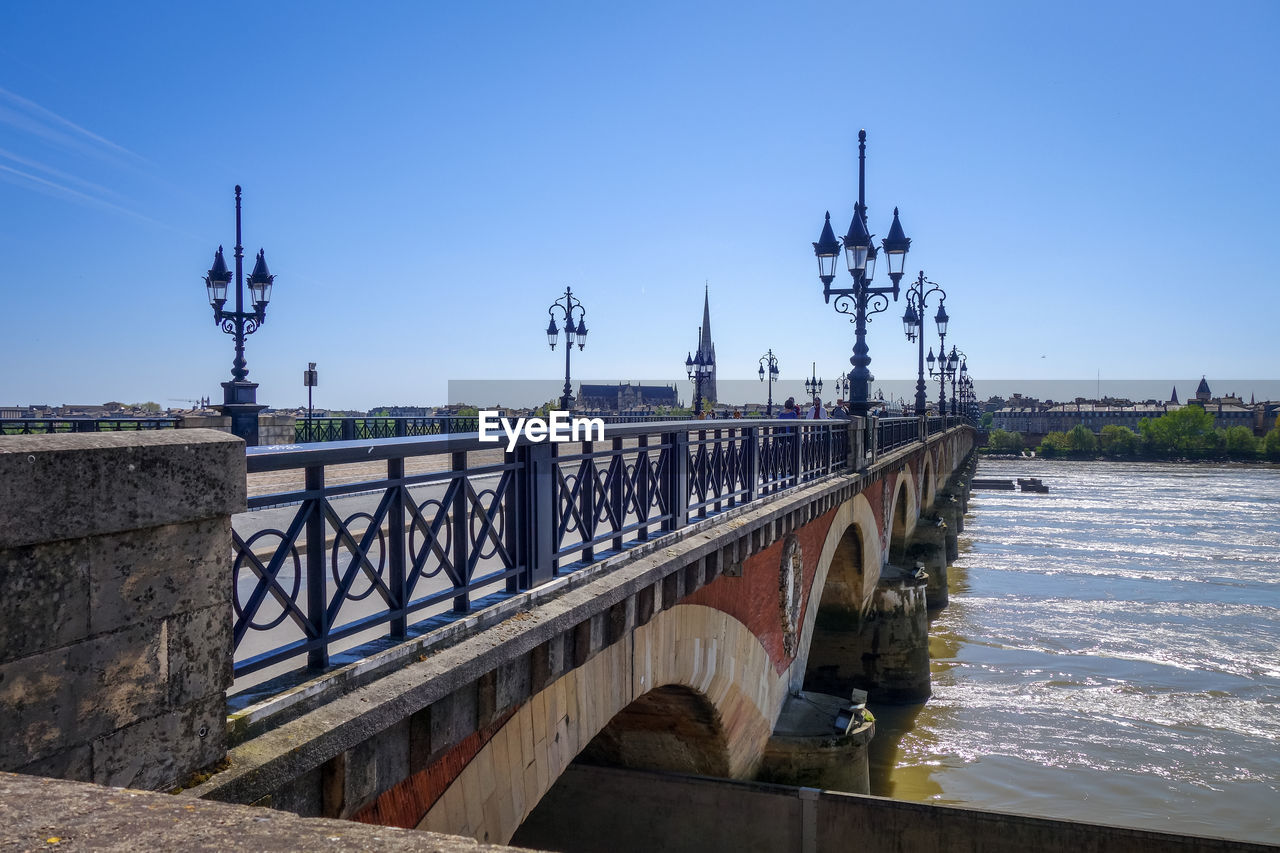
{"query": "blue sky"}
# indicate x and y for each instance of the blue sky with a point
(1091, 182)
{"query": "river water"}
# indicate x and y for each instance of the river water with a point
(1111, 653)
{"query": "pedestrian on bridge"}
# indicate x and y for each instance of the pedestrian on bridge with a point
(816, 411)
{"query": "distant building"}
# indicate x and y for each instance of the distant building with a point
(1203, 394)
(1031, 417)
(624, 396)
(405, 411)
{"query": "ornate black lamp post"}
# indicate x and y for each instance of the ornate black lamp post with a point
(769, 365)
(861, 299)
(913, 325)
(813, 385)
(699, 368)
(840, 387)
(968, 402)
(947, 365)
(240, 396)
(957, 376)
(574, 333)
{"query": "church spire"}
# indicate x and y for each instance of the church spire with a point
(704, 338)
(706, 348)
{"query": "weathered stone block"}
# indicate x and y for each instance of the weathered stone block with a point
(119, 678)
(157, 753)
(559, 657)
(70, 486)
(75, 763)
(452, 718)
(420, 740)
(513, 683)
(44, 601)
(38, 707)
(303, 795)
(148, 575)
(374, 766)
(486, 698)
(200, 662)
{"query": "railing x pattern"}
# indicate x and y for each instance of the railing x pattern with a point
(430, 526)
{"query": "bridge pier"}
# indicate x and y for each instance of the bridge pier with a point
(884, 651)
(808, 749)
(950, 510)
(932, 547)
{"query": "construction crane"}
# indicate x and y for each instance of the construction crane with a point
(202, 403)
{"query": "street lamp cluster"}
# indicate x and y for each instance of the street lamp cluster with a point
(699, 368)
(769, 365)
(840, 387)
(239, 396)
(574, 333)
(861, 300)
(813, 385)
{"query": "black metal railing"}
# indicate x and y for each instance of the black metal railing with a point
(397, 544)
(366, 429)
(896, 432)
(48, 426)
(356, 429)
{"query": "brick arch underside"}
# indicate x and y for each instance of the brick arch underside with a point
(700, 649)
(904, 512)
(842, 579)
(928, 486)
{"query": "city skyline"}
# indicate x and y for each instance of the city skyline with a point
(425, 180)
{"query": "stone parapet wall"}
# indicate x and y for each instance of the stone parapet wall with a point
(272, 429)
(115, 629)
(44, 814)
(276, 429)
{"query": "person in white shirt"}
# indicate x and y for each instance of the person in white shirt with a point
(816, 412)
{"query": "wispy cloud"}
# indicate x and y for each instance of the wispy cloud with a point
(57, 190)
(41, 130)
(43, 122)
(57, 173)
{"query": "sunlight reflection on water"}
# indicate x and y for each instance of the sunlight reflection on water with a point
(1111, 653)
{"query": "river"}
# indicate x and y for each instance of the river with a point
(1111, 653)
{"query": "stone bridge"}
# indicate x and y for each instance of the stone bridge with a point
(724, 644)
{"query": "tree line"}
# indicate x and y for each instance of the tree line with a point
(1187, 433)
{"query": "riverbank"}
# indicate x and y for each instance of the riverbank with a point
(986, 454)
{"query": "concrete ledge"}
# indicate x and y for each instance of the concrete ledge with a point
(48, 814)
(77, 485)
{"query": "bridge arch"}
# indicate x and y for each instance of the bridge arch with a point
(928, 481)
(673, 728)
(690, 659)
(902, 518)
(844, 581)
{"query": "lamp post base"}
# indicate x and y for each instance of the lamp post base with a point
(240, 403)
